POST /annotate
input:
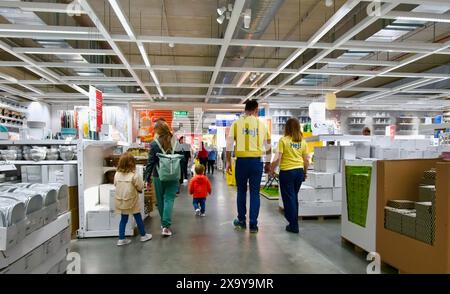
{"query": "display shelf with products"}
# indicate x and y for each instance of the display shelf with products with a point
(42, 162)
(403, 252)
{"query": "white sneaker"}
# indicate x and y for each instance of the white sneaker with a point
(123, 242)
(166, 232)
(197, 212)
(203, 214)
(145, 238)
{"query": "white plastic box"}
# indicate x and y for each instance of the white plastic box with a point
(348, 152)
(320, 179)
(327, 165)
(34, 174)
(319, 208)
(362, 150)
(338, 180)
(337, 194)
(63, 174)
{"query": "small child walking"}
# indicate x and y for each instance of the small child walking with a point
(128, 185)
(200, 188)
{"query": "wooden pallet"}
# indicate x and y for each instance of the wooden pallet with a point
(319, 217)
(354, 247)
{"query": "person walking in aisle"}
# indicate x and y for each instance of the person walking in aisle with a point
(202, 155)
(293, 160)
(185, 150)
(165, 191)
(200, 188)
(212, 157)
(251, 141)
(128, 184)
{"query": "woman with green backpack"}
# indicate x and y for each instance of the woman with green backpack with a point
(163, 168)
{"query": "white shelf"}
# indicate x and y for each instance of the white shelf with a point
(34, 240)
(12, 126)
(39, 142)
(433, 127)
(42, 162)
(6, 106)
(7, 167)
(357, 116)
(357, 124)
(382, 117)
(407, 124)
(7, 117)
(338, 138)
(381, 124)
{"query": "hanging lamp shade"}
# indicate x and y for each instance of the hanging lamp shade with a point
(330, 101)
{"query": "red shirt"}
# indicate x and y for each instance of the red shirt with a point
(203, 153)
(200, 186)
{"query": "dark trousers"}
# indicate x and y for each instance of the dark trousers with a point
(199, 203)
(211, 166)
(290, 183)
(248, 171)
(124, 221)
(184, 170)
(204, 162)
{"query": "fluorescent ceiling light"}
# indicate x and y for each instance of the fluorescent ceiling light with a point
(123, 20)
(144, 54)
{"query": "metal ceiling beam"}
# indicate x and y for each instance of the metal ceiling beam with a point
(63, 51)
(44, 7)
(16, 92)
(97, 22)
(129, 29)
(50, 96)
(342, 40)
(351, 61)
(231, 27)
(335, 19)
(418, 16)
(42, 72)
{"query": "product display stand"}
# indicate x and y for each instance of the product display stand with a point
(407, 254)
(97, 219)
(359, 211)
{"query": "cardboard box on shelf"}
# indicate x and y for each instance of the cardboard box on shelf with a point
(107, 195)
(320, 179)
(97, 220)
(63, 174)
(50, 213)
(362, 150)
(306, 193)
(10, 236)
(337, 194)
(385, 153)
(327, 165)
(34, 174)
(328, 152)
(401, 204)
(338, 180)
(348, 153)
(427, 193)
(411, 154)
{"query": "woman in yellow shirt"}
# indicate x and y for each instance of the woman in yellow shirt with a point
(293, 160)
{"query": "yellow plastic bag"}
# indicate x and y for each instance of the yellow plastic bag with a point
(231, 178)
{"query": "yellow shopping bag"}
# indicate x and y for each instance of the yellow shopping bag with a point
(231, 178)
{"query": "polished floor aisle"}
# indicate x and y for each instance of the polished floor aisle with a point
(211, 245)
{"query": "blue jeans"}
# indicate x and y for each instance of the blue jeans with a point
(199, 203)
(124, 221)
(290, 183)
(249, 170)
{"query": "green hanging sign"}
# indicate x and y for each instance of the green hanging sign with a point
(180, 113)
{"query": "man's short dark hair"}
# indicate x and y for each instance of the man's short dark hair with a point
(251, 105)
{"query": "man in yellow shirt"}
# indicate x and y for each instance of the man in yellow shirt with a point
(250, 138)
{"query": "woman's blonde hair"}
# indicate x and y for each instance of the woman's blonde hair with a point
(292, 129)
(164, 134)
(127, 163)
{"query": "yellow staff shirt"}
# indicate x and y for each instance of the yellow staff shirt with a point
(250, 135)
(292, 153)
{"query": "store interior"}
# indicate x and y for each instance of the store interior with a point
(83, 82)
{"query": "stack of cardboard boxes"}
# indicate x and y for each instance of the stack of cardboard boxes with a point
(415, 219)
(321, 193)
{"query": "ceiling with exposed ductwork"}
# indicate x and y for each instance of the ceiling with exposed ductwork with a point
(392, 54)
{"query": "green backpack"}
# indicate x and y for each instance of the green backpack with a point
(169, 168)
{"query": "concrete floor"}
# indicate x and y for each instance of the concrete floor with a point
(211, 245)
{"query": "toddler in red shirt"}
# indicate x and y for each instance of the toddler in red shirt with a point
(199, 188)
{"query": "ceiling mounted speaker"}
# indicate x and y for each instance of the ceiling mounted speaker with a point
(330, 101)
(220, 19)
(221, 10)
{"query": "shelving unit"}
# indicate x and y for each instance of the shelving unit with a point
(407, 125)
(42, 162)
